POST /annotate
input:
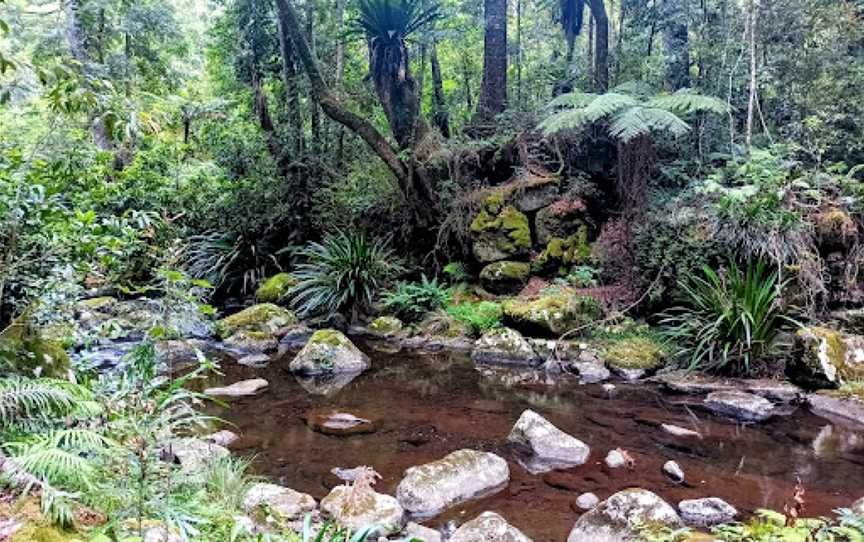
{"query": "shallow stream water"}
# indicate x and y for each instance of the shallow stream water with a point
(427, 405)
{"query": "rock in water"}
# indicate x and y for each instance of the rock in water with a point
(282, 503)
(329, 351)
(617, 518)
(548, 447)
(587, 501)
(488, 527)
(504, 346)
(673, 471)
(415, 531)
(745, 407)
(615, 459)
(333, 422)
(429, 489)
(677, 431)
(358, 507)
(244, 388)
(706, 512)
(264, 318)
(858, 506)
(325, 383)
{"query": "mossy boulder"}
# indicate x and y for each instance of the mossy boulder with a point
(275, 289)
(329, 351)
(505, 277)
(562, 254)
(552, 314)
(386, 326)
(262, 318)
(500, 232)
(825, 358)
(835, 229)
(562, 219)
(529, 192)
(504, 346)
(634, 357)
(24, 351)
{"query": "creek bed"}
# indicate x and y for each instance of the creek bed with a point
(425, 406)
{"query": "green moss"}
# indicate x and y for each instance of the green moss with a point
(824, 358)
(386, 326)
(635, 353)
(41, 533)
(516, 224)
(849, 390)
(275, 288)
(552, 314)
(330, 337)
(23, 350)
(505, 277)
(507, 232)
(562, 254)
(265, 318)
(97, 303)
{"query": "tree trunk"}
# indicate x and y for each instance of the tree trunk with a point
(340, 73)
(674, 16)
(466, 82)
(493, 89)
(390, 67)
(601, 45)
(751, 103)
(314, 112)
(590, 52)
(421, 75)
(440, 112)
(519, 54)
(292, 91)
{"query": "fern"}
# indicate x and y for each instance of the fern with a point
(685, 102)
(25, 402)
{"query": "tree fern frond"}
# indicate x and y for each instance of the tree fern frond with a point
(686, 102)
(567, 119)
(641, 121)
(40, 399)
(607, 104)
(55, 465)
(574, 99)
(634, 88)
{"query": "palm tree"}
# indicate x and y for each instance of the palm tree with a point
(387, 24)
(632, 116)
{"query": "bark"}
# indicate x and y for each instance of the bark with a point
(519, 54)
(340, 72)
(314, 111)
(292, 90)
(397, 91)
(493, 88)
(466, 83)
(601, 45)
(675, 30)
(421, 75)
(265, 122)
(590, 52)
(751, 102)
(440, 113)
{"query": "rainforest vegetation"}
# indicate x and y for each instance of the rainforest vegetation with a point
(593, 197)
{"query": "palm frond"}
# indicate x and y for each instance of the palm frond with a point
(393, 20)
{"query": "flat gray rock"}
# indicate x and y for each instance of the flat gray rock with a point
(546, 446)
(845, 410)
(739, 405)
(244, 388)
(677, 431)
(420, 532)
(706, 512)
(587, 501)
(488, 527)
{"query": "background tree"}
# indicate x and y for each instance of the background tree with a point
(493, 88)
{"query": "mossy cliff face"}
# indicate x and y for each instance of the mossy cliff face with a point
(263, 318)
(23, 350)
(552, 314)
(275, 289)
(562, 254)
(505, 277)
(825, 358)
(562, 219)
(500, 232)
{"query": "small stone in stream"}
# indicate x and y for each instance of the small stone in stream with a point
(244, 388)
(615, 459)
(587, 501)
(283, 503)
(742, 406)
(486, 527)
(547, 446)
(609, 389)
(706, 512)
(333, 422)
(673, 471)
(858, 506)
(223, 438)
(590, 373)
(256, 361)
(159, 533)
(415, 531)
(677, 431)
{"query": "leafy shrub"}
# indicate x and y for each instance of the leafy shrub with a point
(341, 274)
(583, 276)
(456, 272)
(729, 319)
(479, 317)
(411, 300)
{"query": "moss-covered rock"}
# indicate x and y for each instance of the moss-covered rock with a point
(329, 351)
(835, 229)
(504, 346)
(500, 232)
(562, 254)
(262, 318)
(505, 277)
(562, 219)
(528, 192)
(23, 350)
(825, 358)
(552, 314)
(275, 289)
(634, 357)
(386, 326)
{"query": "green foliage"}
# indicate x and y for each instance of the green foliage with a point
(768, 526)
(341, 274)
(411, 300)
(456, 272)
(32, 403)
(393, 20)
(583, 276)
(480, 317)
(730, 318)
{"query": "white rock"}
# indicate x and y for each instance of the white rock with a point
(677, 431)
(283, 503)
(615, 459)
(488, 527)
(415, 530)
(504, 346)
(193, 454)
(673, 471)
(706, 512)
(429, 489)
(858, 506)
(223, 438)
(356, 509)
(616, 518)
(244, 388)
(549, 447)
(740, 405)
(587, 501)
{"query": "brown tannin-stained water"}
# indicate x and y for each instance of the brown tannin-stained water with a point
(426, 406)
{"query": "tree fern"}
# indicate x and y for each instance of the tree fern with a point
(393, 20)
(687, 102)
(27, 401)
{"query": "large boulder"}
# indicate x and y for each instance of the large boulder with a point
(262, 318)
(505, 277)
(193, 454)
(24, 351)
(706, 512)
(280, 503)
(740, 406)
(562, 219)
(356, 507)
(825, 358)
(504, 346)
(634, 358)
(561, 254)
(546, 446)
(275, 288)
(488, 527)
(429, 489)
(329, 351)
(617, 518)
(500, 232)
(529, 192)
(552, 314)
